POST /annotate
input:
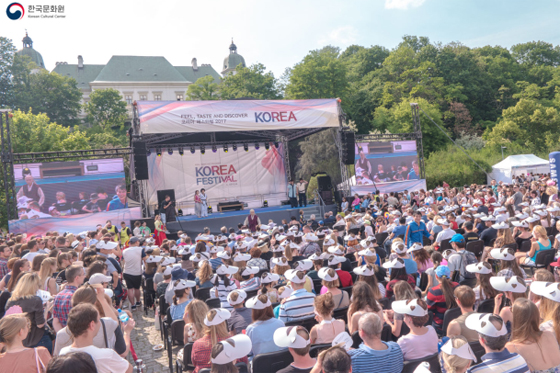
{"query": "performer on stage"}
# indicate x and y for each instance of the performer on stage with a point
(159, 230)
(252, 221)
(168, 206)
(204, 205)
(197, 203)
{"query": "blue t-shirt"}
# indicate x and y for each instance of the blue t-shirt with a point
(178, 310)
(116, 204)
(410, 265)
(399, 230)
(385, 361)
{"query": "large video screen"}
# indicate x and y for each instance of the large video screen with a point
(67, 189)
(386, 162)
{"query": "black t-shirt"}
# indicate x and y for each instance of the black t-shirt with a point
(291, 369)
(93, 206)
(470, 236)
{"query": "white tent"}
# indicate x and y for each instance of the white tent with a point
(515, 165)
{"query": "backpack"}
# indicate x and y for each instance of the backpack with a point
(467, 258)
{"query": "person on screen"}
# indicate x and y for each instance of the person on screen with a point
(365, 165)
(34, 212)
(414, 174)
(120, 200)
(381, 175)
(61, 206)
(32, 190)
(103, 198)
(398, 176)
(92, 205)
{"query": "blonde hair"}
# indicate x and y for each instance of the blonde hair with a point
(205, 272)
(196, 310)
(11, 325)
(46, 270)
(216, 331)
(540, 231)
(26, 287)
(331, 284)
(454, 363)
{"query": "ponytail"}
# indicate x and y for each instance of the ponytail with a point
(447, 290)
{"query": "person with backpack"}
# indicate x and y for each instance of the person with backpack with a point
(459, 261)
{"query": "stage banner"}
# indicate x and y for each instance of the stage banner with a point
(230, 175)
(74, 223)
(160, 117)
(398, 186)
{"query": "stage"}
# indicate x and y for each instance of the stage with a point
(193, 226)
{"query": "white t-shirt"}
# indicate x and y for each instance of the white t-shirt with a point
(30, 255)
(106, 360)
(133, 261)
(445, 234)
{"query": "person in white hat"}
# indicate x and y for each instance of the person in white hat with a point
(281, 265)
(539, 348)
(399, 248)
(226, 352)
(541, 242)
(328, 328)
(298, 342)
(483, 290)
(513, 287)
(335, 262)
(398, 273)
(240, 315)
(162, 286)
(422, 341)
(264, 324)
(331, 283)
(249, 281)
(216, 331)
(367, 274)
(457, 355)
(223, 285)
(508, 265)
(299, 304)
(182, 290)
(446, 233)
(489, 233)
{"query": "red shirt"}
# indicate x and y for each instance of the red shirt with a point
(202, 351)
(345, 278)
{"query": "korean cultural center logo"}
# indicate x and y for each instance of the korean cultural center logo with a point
(15, 11)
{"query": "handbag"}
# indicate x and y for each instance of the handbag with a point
(50, 332)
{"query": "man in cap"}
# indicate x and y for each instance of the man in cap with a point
(460, 259)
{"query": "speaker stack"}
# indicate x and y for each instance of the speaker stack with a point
(348, 147)
(140, 156)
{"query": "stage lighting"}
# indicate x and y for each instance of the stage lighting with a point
(214, 149)
(202, 150)
(181, 151)
(265, 204)
(246, 147)
(225, 148)
(276, 144)
(257, 145)
(158, 152)
(234, 147)
(148, 152)
(266, 146)
(192, 149)
(170, 151)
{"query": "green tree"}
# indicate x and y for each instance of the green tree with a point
(105, 109)
(204, 89)
(36, 133)
(7, 50)
(44, 92)
(319, 153)
(252, 82)
(321, 74)
(536, 53)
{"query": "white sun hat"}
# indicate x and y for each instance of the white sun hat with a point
(282, 261)
(395, 263)
(398, 247)
(183, 284)
(288, 337)
(323, 274)
(409, 307)
(304, 265)
(235, 347)
(267, 278)
(501, 225)
(334, 260)
(514, 284)
(335, 250)
(224, 255)
(221, 315)
(480, 268)
(345, 338)
(241, 296)
(368, 252)
(321, 256)
(291, 275)
(415, 247)
(365, 270)
(167, 271)
(532, 219)
(285, 293)
(550, 290)
(255, 304)
(154, 259)
(488, 218)
(423, 367)
(465, 351)
(168, 261)
(521, 224)
(481, 323)
(502, 254)
(240, 257)
(224, 269)
(248, 271)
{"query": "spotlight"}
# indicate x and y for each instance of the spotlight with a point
(214, 149)
(257, 146)
(246, 147)
(234, 147)
(202, 150)
(266, 146)
(181, 151)
(192, 149)
(148, 152)
(158, 152)
(276, 145)
(170, 151)
(225, 148)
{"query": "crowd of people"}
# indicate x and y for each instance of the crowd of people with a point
(462, 278)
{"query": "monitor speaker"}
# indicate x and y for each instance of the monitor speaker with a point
(162, 193)
(324, 183)
(327, 196)
(348, 147)
(140, 156)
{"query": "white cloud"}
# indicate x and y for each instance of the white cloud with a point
(403, 4)
(345, 35)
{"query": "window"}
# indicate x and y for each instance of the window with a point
(157, 97)
(179, 97)
(128, 99)
(143, 98)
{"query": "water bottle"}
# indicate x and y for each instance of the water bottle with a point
(122, 316)
(140, 367)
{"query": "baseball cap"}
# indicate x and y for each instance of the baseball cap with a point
(134, 240)
(443, 271)
(457, 238)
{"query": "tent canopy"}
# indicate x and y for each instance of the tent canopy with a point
(518, 164)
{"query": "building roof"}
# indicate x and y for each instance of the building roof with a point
(521, 160)
(139, 69)
(83, 76)
(233, 59)
(28, 50)
(193, 75)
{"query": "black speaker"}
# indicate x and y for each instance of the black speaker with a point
(149, 223)
(324, 183)
(338, 196)
(327, 196)
(162, 193)
(139, 153)
(348, 147)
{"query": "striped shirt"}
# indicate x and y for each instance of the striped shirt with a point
(297, 306)
(503, 362)
(251, 284)
(364, 359)
(436, 302)
(223, 292)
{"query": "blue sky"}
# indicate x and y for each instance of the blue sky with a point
(276, 33)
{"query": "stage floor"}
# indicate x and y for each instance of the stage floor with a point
(239, 213)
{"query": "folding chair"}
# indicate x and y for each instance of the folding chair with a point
(315, 349)
(202, 294)
(186, 363)
(448, 316)
(475, 247)
(433, 360)
(341, 314)
(272, 361)
(543, 260)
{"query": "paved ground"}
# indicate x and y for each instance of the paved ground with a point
(144, 338)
